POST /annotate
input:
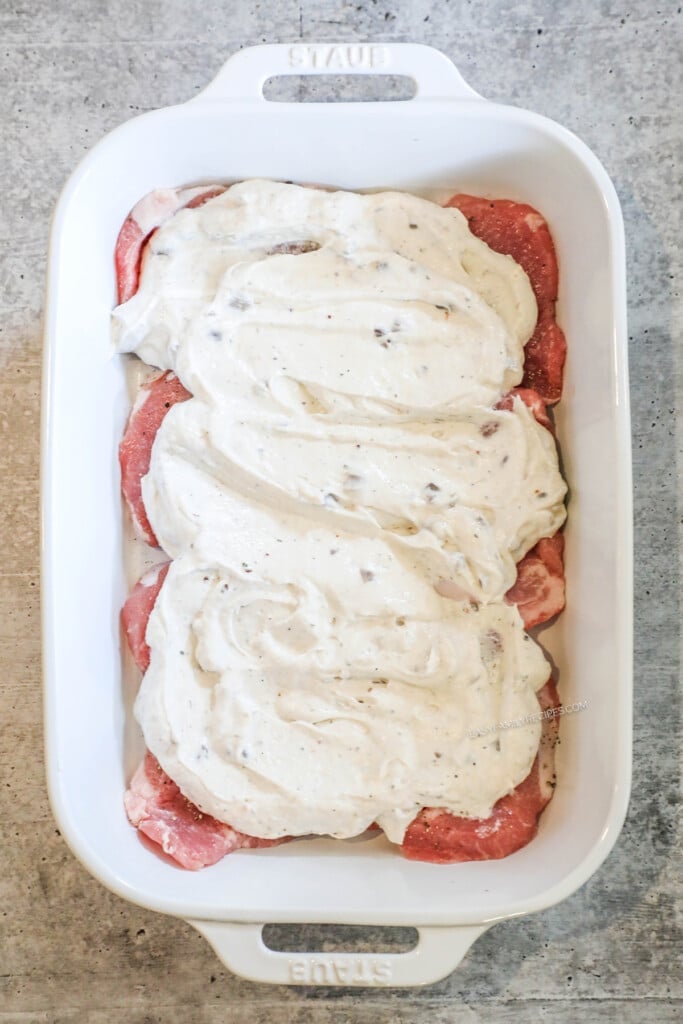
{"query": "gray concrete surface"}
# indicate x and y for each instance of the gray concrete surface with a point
(69, 72)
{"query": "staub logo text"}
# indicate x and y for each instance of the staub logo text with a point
(332, 970)
(339, 58)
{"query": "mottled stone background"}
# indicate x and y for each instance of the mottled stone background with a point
(71, 71)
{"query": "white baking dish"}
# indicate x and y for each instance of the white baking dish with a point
(445, 138)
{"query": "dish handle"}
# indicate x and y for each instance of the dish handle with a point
(243, 75)
(439, 950)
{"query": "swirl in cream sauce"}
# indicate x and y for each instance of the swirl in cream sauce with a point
(344, 506)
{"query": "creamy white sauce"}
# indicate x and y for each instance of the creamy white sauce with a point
(340, 468)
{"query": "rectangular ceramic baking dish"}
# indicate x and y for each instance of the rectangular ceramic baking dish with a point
(446, 138)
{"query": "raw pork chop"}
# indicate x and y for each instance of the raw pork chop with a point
(518, 230)
(137, 610)
(135, 451)
(159, 810)
(153, 802)
(538, 590)
(443, 838)
(140, 225)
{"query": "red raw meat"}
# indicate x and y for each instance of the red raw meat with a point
(154, 803)
(199, 200)
(140, 225)
(443, 838)
(135, 451)
(157, 808)
(137, 610)
(544, 356)
(518, 230)
(538, 590)
(127, 258)
(533, 401)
